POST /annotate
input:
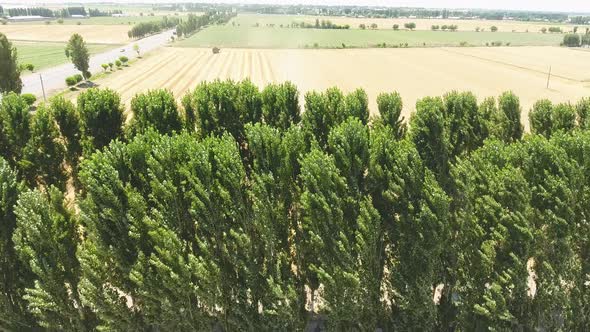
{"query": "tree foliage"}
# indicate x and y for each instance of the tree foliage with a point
(9, 69)
(236, 212)
(155, 109)
(102, 117)
(46, 240)
(77, 51)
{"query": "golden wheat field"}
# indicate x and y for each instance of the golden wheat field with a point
(414, 73)
(94, 34)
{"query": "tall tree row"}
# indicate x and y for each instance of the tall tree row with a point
(235, 210)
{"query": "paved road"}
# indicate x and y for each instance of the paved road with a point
(54, 77)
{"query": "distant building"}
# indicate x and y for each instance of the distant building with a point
(78, 16)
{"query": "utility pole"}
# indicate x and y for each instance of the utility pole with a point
(42, 88)
(548, 77)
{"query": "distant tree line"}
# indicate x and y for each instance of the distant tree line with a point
(184, 26)
(193, 23)
(143, 29)
(580, 20)
(576, 40)
(323, 24)
(98, 13)
(444, 27)
(235, 210)
(35, 11)
(46, 12)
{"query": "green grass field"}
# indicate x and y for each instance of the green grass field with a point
(265, 37)
(46, 54)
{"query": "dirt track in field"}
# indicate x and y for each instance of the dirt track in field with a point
(414, 73)
(99, 34)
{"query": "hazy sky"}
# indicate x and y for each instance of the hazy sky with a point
(546, 5)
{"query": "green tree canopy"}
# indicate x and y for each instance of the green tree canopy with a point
(280, 105)
(9, 69)
(102, 116)
(77, 51)
(155, 109)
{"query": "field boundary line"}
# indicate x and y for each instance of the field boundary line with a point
(512, 65)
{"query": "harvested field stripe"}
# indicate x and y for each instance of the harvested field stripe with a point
(184, 65)
(215, 71)
(194, 61)
(200, 72)
(272, 77)
(248, 62)
(155, 82)
(225, 71)
(260, 69)
(135, 80)
(243, 66)
(190, 82)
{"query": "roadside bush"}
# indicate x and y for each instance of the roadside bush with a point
(555, 29)
(29, 98)
(71, 81)
(586, 40)
(60, 21)
(493, 28)
(104, 66)
(118, 63)
(396, 27)
(434, 27)
(124, 59)
(28, 66)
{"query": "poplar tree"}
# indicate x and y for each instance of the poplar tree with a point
(102, 116)
(15, 275)
(390, 107)
(280, 105)
(155, 109)
(45, 239)
(44, 153)
(16, 117)
(10, 80)
(77, 51)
